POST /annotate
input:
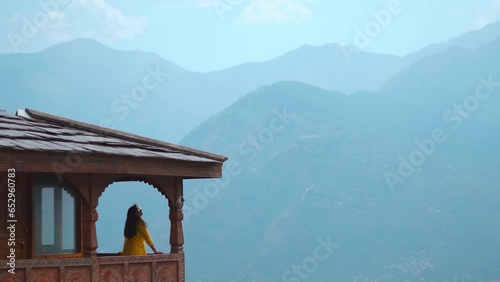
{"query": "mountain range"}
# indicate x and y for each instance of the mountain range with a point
(387, 164)
(88, 74)
(323, 175)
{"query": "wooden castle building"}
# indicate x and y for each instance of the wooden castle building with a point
(71, 163)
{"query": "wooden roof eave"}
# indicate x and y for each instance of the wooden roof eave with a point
(123, 135)
(53, 162)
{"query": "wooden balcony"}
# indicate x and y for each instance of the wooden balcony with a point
(65, 157)
(104, 267)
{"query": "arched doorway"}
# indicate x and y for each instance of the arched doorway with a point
(112, 210)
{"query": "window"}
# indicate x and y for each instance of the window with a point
(56, 217)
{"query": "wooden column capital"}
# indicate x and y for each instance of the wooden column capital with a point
(91, 188)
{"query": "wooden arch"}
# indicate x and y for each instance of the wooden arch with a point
(91, 187)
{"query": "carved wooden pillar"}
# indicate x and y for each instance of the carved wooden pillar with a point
(172, 188)
(176, 202)
(97, 185)
(91, 188)
(90, 217)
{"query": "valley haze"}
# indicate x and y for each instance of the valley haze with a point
(362, 137)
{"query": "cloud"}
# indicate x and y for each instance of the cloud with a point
(94, 19)
(112, 23)
(41, 22)
(276, 11)
(488, 16)
(178, 4)
(52, 22)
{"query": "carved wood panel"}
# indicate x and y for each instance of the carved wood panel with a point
(77, 274)
(20, 276)
(111, 273)
(167, 268)
(167, 272)
(139, 272)
(44, 275)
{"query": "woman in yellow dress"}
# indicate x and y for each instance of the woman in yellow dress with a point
(136, 233)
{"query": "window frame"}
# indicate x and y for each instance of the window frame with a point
(49, 180)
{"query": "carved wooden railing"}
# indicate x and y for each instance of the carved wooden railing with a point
(164, 268)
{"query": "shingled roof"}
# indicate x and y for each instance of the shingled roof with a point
(31, 130)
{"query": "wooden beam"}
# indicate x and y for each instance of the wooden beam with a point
(60, 163)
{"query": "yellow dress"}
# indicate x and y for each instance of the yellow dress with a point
(135, 245)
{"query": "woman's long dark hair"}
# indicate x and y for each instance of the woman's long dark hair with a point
(131, 223)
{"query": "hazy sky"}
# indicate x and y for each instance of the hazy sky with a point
(214, 34)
